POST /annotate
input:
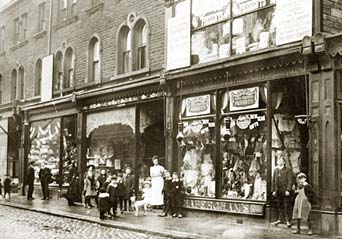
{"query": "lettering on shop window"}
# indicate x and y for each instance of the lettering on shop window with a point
(244, 99)
(224, 206)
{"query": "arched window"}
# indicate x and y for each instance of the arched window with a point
(21, 83)
(140, 45)
(124, 50)
(14, 85)
(38, 77)
(1, 87)
(58, 72)
(94, 67)
(69, 62)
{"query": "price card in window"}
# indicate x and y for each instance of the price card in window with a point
(240, 45)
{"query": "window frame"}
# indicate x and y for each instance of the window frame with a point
(14, 78)
(21, 83)
(38, 77)
(93, 61)
(1, 88)
(2, 38)
(41, 17)
(69, 68)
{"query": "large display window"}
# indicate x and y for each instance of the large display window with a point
(45, 138)
(110, 139)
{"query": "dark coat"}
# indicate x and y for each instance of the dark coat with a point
(7, 184)
(114, 192)
(30, 176)
(282, 180)
(128, 181)
(103, 202)
(45, 175)
(167, 187)
(310, 193)
(74, 192)
(177, 189)
(102, 179)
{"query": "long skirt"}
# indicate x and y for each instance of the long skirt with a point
(302, 206)
(157, 184)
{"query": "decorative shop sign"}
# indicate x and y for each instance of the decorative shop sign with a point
(198, 105)
(122, 101)
(47, 75)
(249, 5)
(243, 121)
(225, 206)
(244, 99)
(294, 20)
(178, 40)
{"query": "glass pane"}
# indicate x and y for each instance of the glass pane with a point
(254, 31)
(211, 43)
(244, 6)
(127, 60)
(96, 50)
(206, 12)
(45, 146)
(96, 69)
(128, 41)
(110, 140)
(142, 57)
(143, 40)
(197, 163)
(244, 157)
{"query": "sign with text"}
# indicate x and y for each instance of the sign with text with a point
(225, 206)
(294, 20)
(244, 99)
(178, 41)
(198, 105)
(47, 76)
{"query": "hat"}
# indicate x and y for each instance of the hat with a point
(301, 175)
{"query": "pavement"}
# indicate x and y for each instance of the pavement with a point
(186, 227)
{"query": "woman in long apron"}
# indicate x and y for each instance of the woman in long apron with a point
(157, 182)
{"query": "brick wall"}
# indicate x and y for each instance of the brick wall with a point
(332, 16)
(103, 23)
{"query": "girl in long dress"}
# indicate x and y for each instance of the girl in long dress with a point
(157, 182)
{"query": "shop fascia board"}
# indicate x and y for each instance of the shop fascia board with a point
(65, 99)
(250, 57)
(119, 87)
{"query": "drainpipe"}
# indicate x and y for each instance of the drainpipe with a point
(50, 28)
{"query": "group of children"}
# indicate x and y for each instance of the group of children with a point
(6, 186)
(120, 190)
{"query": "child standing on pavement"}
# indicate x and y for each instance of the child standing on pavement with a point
(103, 202)
(7, 186)
(114, 191)
(303, 202)
(128, 181)
(122, 192)
(167, 195)
(177, 195)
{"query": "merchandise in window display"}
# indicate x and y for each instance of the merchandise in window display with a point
(45, 143)
(244, 161)
(197, 147)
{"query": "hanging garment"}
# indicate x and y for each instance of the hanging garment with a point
(254, 168)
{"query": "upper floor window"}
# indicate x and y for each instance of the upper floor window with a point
(1, 88)
(14, 85)
(38, 77)
(20, 28)
(41, 17)
(94, 2)
(58, 72)
(133, 44)
(2, 38)
(21, 83)
(67, 9)
(94, 67)
(124, 60)
(140, 45)
(69, 68)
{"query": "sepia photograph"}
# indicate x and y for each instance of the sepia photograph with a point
(170, 119)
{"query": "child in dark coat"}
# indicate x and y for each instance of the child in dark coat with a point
(7, 186)
(167, 195)
(177, 195)
(122, 192)
(0, 187)
(303, 202)
(114, 191)
(103, 202)
(128, 181)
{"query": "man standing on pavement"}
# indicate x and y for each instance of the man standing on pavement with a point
(30, 181)
(282, 186)
(45, 179)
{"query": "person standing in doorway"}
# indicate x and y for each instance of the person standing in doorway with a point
(157, 182)
(7, 186)
(30, 181)
(45, 179)
(282, 187)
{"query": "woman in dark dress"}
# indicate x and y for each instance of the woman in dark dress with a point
(74, 193)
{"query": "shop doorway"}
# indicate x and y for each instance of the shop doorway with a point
(152, 140)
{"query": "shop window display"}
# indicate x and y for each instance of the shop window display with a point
(198, 157)
(244, 161)
(45, 146)
(110, 140)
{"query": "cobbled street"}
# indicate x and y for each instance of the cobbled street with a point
(24, 224)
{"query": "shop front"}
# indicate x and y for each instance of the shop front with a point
(122, 132)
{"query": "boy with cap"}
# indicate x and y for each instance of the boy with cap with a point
(304, 199)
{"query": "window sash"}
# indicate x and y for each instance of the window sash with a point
(2, 39)
(126, 61)
(23, 26)
(96, 72)
(142, 57)
(41, 19)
